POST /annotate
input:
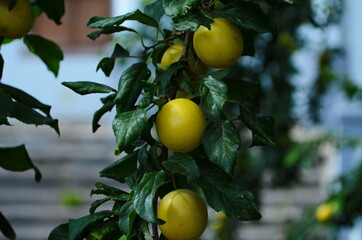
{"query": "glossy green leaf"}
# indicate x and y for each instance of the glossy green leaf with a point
(258, 127)
(119, 52)
(108, 104)
(183, 164)
(221, 143)
(149, 91)
(144, 193)
(48, 51)
(106, 22)
(248, 16)
(224, 194)
(166, 76)
(130, 86)
(177, 8)
(104, 189)
(155, 10)
(85, 87)
(128, 126)
(107, 65)
(5, 228)
(127, 216)
(192, 21)
(121, 198)
(54, 9)
(17, 159)
(78, 227)
(122, 168)
(109, 30)
(61, 232)
(23, 97)
(214, 94)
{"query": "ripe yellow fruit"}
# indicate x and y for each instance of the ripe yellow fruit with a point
(324, 212)
(174, 53)
(185, 214)
(219, 47)
(180, 125)
(17, 22)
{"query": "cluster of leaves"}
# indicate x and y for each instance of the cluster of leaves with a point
(147, 167)
(17, 104)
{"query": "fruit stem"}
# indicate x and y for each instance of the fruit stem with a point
(188, 38)
(154, 225)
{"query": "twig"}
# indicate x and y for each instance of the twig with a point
(160, 42)
(154, 225)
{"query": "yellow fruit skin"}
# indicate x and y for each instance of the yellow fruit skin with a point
(324, 212)
(174, 53)
(185, 214)
(180, 125)
(219, 47)
(18, 22)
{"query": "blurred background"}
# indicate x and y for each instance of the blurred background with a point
(310, 81)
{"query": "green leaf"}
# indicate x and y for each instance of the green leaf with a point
(192, 21)
(267, 124)
(214, 94)
(54, 9)
(119, 52)
(127, 216)
(107, 65)
(185, 82)
(105, 22)
(104, 189)
(109, 30)
(24, 113)
(242, 90)
(1, 65)
(144, 193)
(108, 231)
(6, 228)
(128, 126)
(121, 198)
(61, 232)
(166, 75)
(149, 91)
(221, 142)
(155, 10)
(122, 168)
(258, 127)
(183, 164)
(16, 159)
(49, 52)
(78, 227)
(85, 87)
(224, 194)
(248, 16)
(130, 86)
(23, 97)
(108, 104)
(177, 8)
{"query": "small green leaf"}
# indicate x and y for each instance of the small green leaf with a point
(267, 124)
(122, 168)
(121, 198)
(192, 21)
(109, 30)
(107, 231)
(221, 142)
(165, 77)
(177, 8)
(108, 104)
(214, 94)
(144, 193)
(248, 16)
(127, 216)
(17, 159)
(107, 65)
(119, 52)
(6, 228)
(255, 124)
(85, 87)
(78, 227)
(49, 52)
(106, 22)
(149, 91)
(104, 189)
(155, 10)
(130, 86)
(128, 126)
(185, 83)
(61, 232)
(183, 164)
(224, 194)
(54, 9)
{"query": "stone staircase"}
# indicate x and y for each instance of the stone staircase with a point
(70, 165)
